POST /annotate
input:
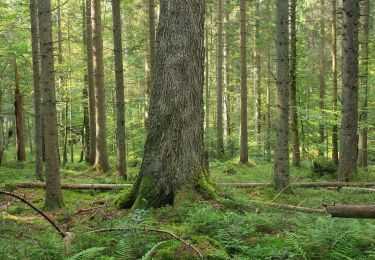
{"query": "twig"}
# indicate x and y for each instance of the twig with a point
(151, 230)
(63, 234)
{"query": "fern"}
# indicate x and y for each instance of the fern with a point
(124, 249)
(89, 253)
(292, 240)
(148, 255)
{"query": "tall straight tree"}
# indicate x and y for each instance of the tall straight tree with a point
(364, 58)
(296, 159)
(349, 108)
(151, 54)
(257, 79)
(91, 81)
(101, 159)
(173, 151)
(322, 83)
(335, 148)
(120, 95)
(37, 93)
(219, 81)
(244, 149)
(228, 90)
(281, 168)
(53, 199)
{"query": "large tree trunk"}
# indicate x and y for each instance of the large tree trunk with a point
(120, 95)
(37, 94)
(322, 83)
(351, 211)
(335, 148)
(296, 159)
(18, 113)
(281, 169)
(257, 78)
(349, 114)
(219, 82)
(53, 198)
(91, 81)
(101, 159)
(362, 139)
(244, 149)
(174, 146)
(207, 78)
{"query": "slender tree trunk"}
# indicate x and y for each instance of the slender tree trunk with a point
(174, 145)
(257, 87)
(219, 82)
(207, 77)
(227, 95)
(349, 113)
(53, 197)
(91, 81)
(281, 169)
(120, 95)
(335, 148)
(293, 86)
(18, 113)
(267, 145)
(322, 84)
(151, 58)
(244, 150)
(37, 93)
(364, 57)
(101, 159)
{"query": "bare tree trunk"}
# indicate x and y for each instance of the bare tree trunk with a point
(53, 197)
(37, 94)
(101, 159)
(293, 86)
(174, 146)
(335, 148)
(18, 113)
(228, 88)
(151, 58)
(322, 83)
(219, 82)
(364, 57)
(91, 81)
(257, 87)
(349, 114)
(207, 77)
(244, 149)
(281, 168)
(120, 95)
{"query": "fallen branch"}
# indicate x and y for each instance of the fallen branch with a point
(353, 188)
(290, 207)
(151, 230)
(73, 186)
(351, 211)
(63, 234)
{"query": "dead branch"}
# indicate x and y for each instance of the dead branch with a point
(290, 207)
(351, 211)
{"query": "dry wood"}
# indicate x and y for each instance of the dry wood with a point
(290, 207)
(351, 211)
(73, 186)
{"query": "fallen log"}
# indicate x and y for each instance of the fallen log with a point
(351, 211)
(73, 186)
(290, 207)
(353, 188)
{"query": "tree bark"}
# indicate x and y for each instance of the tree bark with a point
(364, 57)
(207, 77)
(151, 58)
(296, 155)
(18, 113)
(351, 211)
(281, 167)
(335, 148)
(219, 82)
(244, 149)
(173, 152)
(101, 159)
(322, 83)
(91, 81)
(53, 197)
(228, 90)
(37, 93)
(349, 113)
(120, 95)
(257, 80)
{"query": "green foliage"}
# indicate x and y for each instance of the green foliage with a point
(90, 253)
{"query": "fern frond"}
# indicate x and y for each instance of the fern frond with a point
(148, 255)
(87, 254)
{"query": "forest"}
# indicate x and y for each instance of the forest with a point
(187, 129)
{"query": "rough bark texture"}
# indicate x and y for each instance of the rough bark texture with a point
(151, 58)
(322, 83)
(91, 81)
(207, 78)
(173, 151)
(296, 155)
(101, 159)
(244, 149)
(335, 148)
(349, 110)
(120, 95)
(281, 167)
(53, 197)
(351, 211)
(37, 94)
(18, 113)
(257, 77)
(219, 81)
(364, 57)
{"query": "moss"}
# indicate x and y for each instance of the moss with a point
(205, 187)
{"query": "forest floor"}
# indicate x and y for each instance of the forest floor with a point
(219, 229)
